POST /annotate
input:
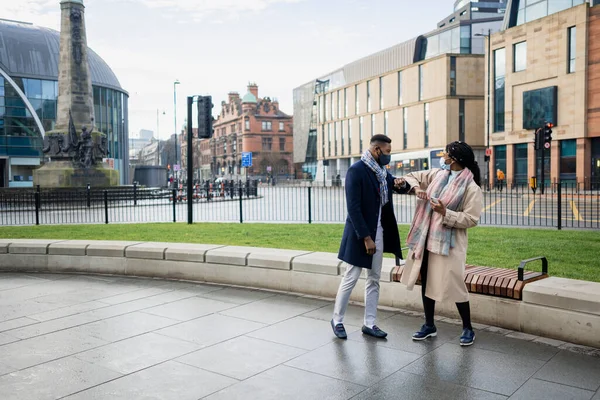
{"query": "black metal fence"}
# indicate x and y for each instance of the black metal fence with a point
(562, 205)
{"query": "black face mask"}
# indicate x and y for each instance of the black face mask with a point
(384, 159)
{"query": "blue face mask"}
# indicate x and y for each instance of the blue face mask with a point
(443, 164)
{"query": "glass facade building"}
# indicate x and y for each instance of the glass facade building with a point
(28, 102)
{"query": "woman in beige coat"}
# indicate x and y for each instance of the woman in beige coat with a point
(449, 201)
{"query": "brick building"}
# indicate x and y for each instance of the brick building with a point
(249, 124)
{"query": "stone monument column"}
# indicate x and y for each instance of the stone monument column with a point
(74, 147)
(74, 78)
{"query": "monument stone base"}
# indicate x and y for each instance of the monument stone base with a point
(62, 174)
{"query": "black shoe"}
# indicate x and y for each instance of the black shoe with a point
(425, 332)
(339, 330)
(375, 332)
(468, 337)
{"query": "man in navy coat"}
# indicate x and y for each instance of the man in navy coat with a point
(371, 230)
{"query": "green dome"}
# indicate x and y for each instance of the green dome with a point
(249, 98)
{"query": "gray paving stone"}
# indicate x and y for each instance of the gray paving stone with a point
(16, 323)
(476, 368)
(211, 329)
(242, 357)
(53, 380)
(168, 381)
(509, 345)
(41, 349)
(55, 325)
(355, 315)
(405, 386)
(400, 329)
(275, 309)
(5, 369)
(5, 338)
(124, 326)
(137, 353)
(572, 369)
(302, 332)
(597, 396)
(13, 281)
(237, 296)
(186, 309)
(361, 363)
(535, 389)
(68, 311)
(288, 383)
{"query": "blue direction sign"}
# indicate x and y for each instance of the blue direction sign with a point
(246, 159)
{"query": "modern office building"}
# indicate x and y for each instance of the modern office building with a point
(28, 95)
(423, 93)
(546, 68)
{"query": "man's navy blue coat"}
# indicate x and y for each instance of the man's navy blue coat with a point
(363, 200)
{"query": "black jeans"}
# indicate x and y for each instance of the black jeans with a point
(429, 304)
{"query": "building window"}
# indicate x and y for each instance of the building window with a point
(281, 127)
(572, 37)
(372, 125)
(332, 106)
(500, 158)
(267, 143)
(399, 87)
(360, 133)
(547, 163)
(426, 124)
(345, 102)
(329, 140)
(420, 82)
(369, 96)
(225, 147)
(321, 110)
(234, 145)
(520, 57)
(327, 110)
(323, 140)
(356, 100)
(539, 107)
(340, 104)
(381, 105)
(452, 76)
(335, 139)
(266, 126)
(349, 136)
(568, 161)
(461, 120)
(342, 135)
(281, 144)
(499, 73)
(405, 128)
(385, 123)
(232, 128)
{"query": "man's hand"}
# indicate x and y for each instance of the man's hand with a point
(370, 245)
(399, 183)
(438, 207)
(421, 194)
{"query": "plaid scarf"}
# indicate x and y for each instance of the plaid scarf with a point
(427, 226)
(380, 172)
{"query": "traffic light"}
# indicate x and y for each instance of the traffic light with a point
(548, 132)
(539, 139)
(205, 118)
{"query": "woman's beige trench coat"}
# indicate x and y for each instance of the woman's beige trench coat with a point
(445, 274)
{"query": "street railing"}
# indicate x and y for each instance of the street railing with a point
(561, 205)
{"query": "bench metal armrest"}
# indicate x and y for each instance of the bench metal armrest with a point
(524, 262)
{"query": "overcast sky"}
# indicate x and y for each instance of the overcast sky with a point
(217, 46)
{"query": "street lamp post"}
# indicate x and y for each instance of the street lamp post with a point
(175, 119)
(158, 135)
(489, 73)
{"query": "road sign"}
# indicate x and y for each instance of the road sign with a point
(488, 152)
(246, 159)
(176, 167)
(268, 168)
(547, 145)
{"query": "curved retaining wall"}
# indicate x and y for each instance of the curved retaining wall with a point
(557, 308)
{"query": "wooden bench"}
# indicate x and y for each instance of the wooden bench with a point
(499, 282)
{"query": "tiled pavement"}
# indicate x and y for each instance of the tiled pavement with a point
(96, 337)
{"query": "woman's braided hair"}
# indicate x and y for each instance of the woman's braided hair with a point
(463, 154)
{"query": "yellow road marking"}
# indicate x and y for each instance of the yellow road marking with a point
(493, 204)
(526, 213)
(575, 211)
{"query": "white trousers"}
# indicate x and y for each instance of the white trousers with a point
(371, 285)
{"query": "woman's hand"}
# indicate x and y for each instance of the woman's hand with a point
(421, 194)
(438, 207)
(399, 183)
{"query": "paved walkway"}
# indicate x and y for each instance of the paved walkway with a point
(93, 337)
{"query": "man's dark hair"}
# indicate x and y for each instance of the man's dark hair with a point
(380, 139)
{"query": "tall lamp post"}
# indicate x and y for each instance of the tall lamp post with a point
(489, 73)
(175, 118)
(158, 134)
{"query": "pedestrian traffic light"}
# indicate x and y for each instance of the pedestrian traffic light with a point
(548, 132)
(205, 118)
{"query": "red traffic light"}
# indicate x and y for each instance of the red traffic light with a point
(550, 125)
